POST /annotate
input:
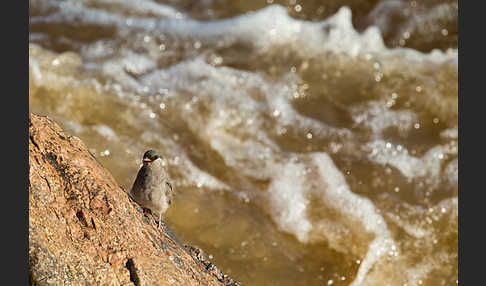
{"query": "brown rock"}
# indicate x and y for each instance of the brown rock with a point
(84, 229)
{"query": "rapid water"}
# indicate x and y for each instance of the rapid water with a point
(309, 143)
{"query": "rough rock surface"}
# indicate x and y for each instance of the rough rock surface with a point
(85, 230)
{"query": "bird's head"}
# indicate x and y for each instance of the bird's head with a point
(150, 156)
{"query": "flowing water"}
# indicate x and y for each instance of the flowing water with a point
(310, 142)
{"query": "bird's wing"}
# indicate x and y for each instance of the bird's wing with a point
(139, 181)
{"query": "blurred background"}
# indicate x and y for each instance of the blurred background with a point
(309, 142)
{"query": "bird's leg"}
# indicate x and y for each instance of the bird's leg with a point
(160, 218)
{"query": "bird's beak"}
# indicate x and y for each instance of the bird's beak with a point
(147, 160)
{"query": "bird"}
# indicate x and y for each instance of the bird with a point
(152, 188)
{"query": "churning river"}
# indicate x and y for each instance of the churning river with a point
(310, 142)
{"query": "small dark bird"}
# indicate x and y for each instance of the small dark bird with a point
(152, 189)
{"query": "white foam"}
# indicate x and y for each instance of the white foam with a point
(98, 50)
(106, 132)
(194, 176)
(411, 167)
(77, 128)
(288, 201)
(34, 67)
(292, 183)
(191, 175)
(227, 89)
(147, 8)
(423, 252)
(293, 179)
(452, 172)
(377, 116)
(355, 208)
(451, 133)
(266, 29)
(382, 12)
(44, 73)
(129, 63)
